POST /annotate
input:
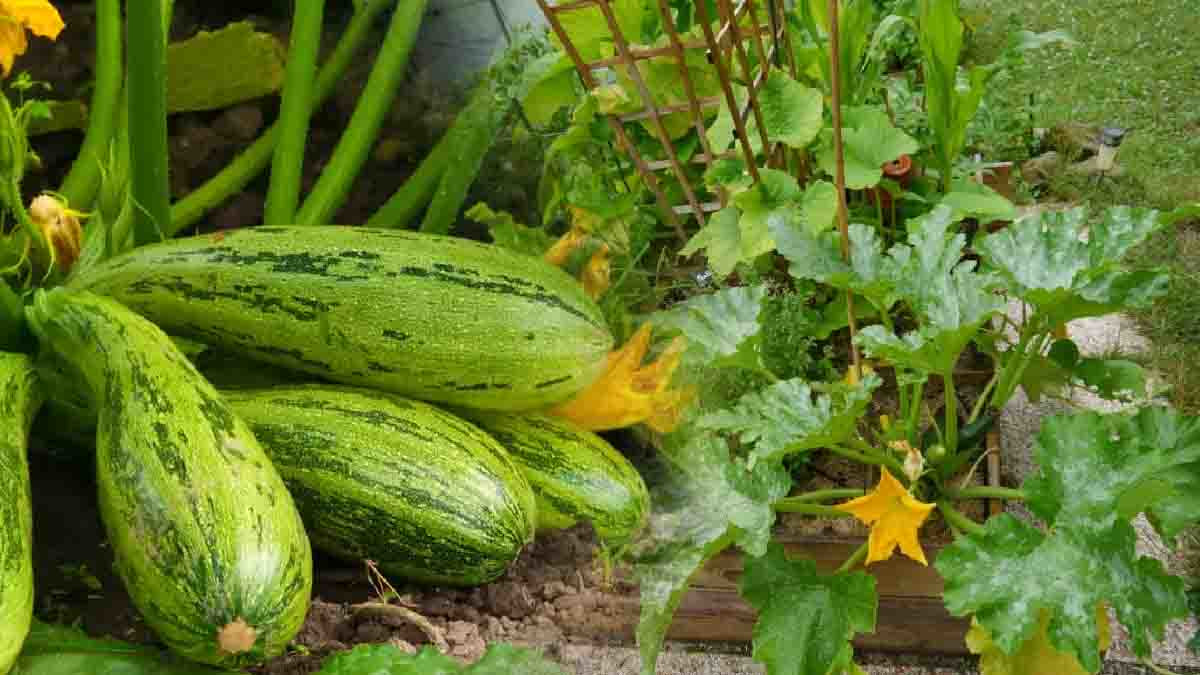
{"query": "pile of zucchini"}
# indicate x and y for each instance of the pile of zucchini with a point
(377, 397)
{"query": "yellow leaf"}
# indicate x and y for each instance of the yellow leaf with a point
(629, 393)
(1036, 656)
(894, 516)
(597, 273)
(17, 16)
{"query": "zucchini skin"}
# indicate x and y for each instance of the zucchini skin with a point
(576, 475)
(435, 318)
(204, 534)
(426, 495)
(20, 397)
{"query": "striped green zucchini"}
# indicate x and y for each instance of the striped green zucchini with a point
(423, 493)
(575, 474)
(205, 536)
(20, 396)
(435, 318)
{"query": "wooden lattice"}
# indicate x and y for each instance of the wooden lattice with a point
(736, 25)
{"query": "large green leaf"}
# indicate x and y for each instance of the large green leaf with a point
(1044, 260)
(726, 243)
(1097, 469)
(706, 502)
(722, 328)
(818, 206)
(806, 620)
(547, 85)
(785, 418)
(818, 257)
(63, 650)
(870, 140)
(792, 113)
(386, 659)
(951, 298)
(1011, 571)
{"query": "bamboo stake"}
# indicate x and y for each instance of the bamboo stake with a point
(840, 179)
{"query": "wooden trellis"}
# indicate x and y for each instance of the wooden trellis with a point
(739, 22)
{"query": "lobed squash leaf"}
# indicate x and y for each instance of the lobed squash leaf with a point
(792, 113)
(1097, 469)
(1006, 575)
(806, 619)
(722, 328)
(1044, 260)
(870, 140)
(785, 418)
(706, 501)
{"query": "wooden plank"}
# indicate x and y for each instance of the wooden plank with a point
(898, 576)
(906, 624)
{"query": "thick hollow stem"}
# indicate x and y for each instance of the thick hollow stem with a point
(810, 509)
(958, 520)
(870, 458)
(147, 75)
(405, 203)
(238, 173)
(83, 179)
(988, 492)
(283, 194)
(819, 496)
(951, 413)
(854, 559)
(348, 157)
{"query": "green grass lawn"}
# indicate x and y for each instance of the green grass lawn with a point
(1136, 66)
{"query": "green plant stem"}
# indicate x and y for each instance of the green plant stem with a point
(914, 411)
(477, 126)
(238, 173)
(333, 186)
(283, 194)
(405, 203)
(951, 413)
(982, 400)
(147, 66)
(870, 458)
(83, 179)
(810, 509)
(854, 559)
(988, 492)
(958, 520)
(820, 496)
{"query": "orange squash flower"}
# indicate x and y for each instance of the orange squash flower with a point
(894, 516)
(629, 393)
(17, 16)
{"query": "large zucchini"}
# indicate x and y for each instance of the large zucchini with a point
(435, 318)
(204, 533)
(575, 474)
(425, 494)
(19, 400)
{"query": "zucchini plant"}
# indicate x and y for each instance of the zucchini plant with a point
(726, 461)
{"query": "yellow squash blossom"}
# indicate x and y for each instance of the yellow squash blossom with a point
(894, 516)
(629, 393)
(17, 16)
(597, 274)
(1035, 656)
(60, 227)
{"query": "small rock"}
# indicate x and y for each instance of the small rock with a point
(585, 601)
(557, 589)
(465, 641)
(494, 629)
(403, 646)
(241, 122)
